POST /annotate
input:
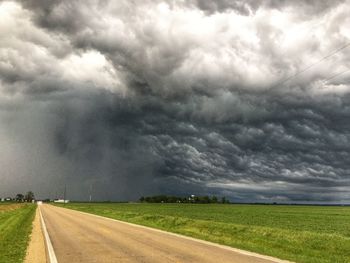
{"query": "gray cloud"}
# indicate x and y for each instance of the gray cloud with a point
(158, 97)
(306, 8)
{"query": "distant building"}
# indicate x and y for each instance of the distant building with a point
(191, 198)
(60, 201)
(2, 199)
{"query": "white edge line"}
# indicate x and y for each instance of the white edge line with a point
(51, 251)
(237, 250)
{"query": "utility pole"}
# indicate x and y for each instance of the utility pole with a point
(65, 192)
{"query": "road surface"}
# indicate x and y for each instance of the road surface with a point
(79, 237)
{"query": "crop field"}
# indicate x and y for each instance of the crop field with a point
(297, 233)
(15, 227)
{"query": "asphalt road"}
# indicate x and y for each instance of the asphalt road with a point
(79, 237)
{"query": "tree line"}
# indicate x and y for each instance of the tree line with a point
(28, 197)
(192, 199)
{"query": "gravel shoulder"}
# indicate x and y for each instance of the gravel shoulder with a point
(36, 252)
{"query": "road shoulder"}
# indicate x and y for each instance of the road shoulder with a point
(36, 252)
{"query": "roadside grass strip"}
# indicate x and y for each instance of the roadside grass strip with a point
(15, 228)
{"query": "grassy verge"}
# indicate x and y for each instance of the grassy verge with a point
(309, 234)
(15, 228)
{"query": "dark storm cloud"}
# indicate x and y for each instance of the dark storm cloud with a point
(178, 98)
(313, 7)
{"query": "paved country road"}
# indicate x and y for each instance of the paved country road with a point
(80, 237)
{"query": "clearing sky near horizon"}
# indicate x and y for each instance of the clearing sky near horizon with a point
(247, 99)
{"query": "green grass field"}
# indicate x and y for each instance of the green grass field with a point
(298, 233)
(15, 228)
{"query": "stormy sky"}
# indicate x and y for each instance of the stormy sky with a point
(247, 99)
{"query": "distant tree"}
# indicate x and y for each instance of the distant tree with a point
(203, 199)
(176, 199)
(29, 196)
(224, 200)
(214, 199)
(19, 198)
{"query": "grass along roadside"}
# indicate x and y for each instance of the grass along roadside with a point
(297, 233)
(15, 228)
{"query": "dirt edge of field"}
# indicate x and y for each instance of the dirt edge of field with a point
(10, 206)
(36, 251)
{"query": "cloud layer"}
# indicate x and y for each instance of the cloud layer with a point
(246, 99)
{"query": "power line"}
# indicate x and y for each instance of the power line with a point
(336, 75)
(312, 65)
